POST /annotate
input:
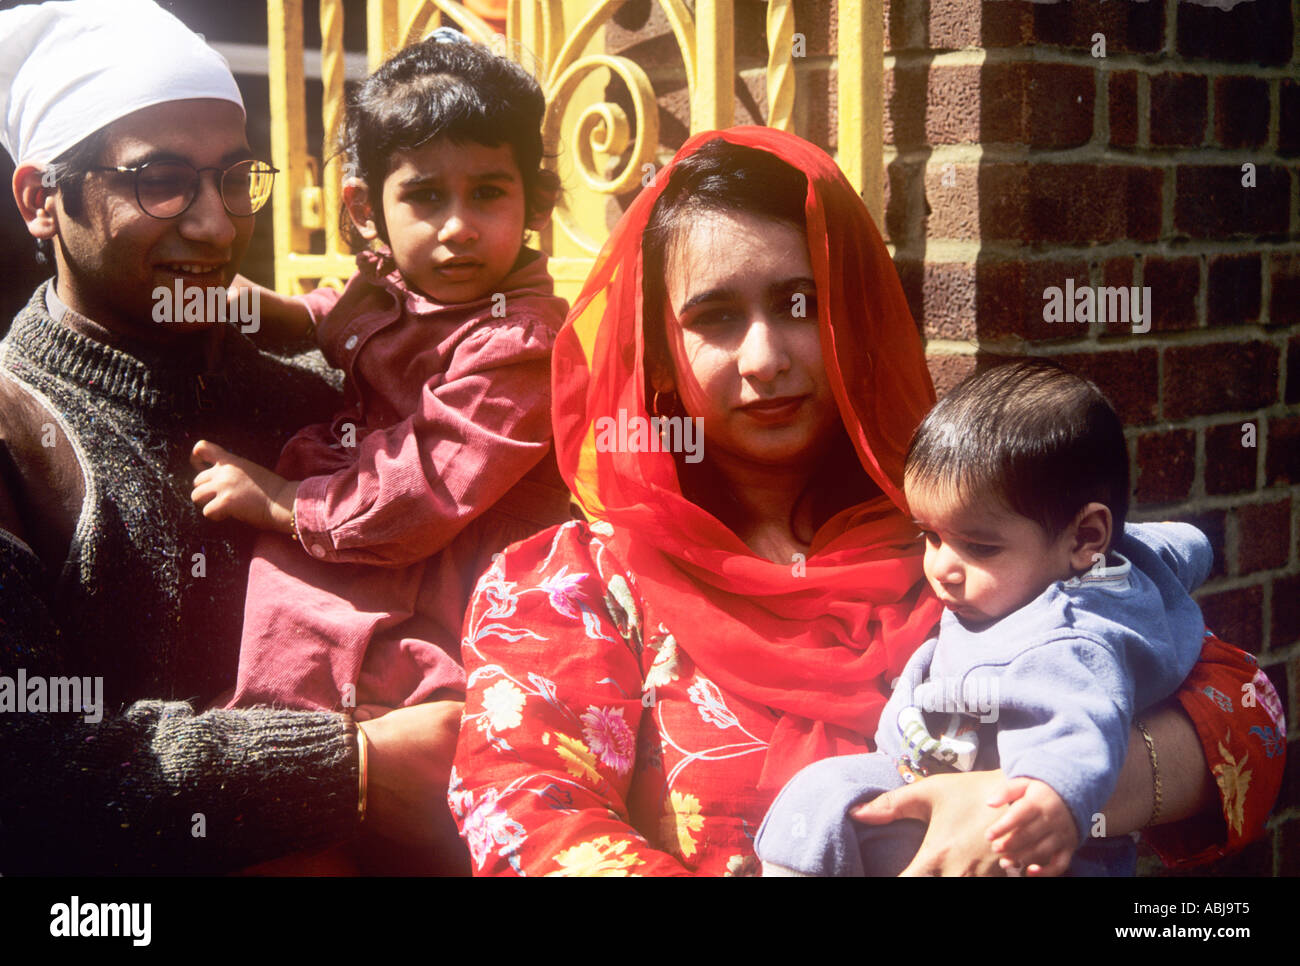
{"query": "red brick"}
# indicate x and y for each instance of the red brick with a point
(1121, 100)
(1010, 298)
(1286, 614)
(1288, 118)
(1126, 26)
(1263, 536)
(1284, 304)
(904, 194)
(947, 371)
(952, 25)
(1117, 273)
(952, 209)
(904, 27)
(1236, 616)
(1229, 466)
(1240, 111)
(1174, 283)
(1178, 110)
(1220, 377)
(1127, 377)
(1233, 292)
(1293, 371)
(1059, 105)
(1042, 105)
(948, 300)
(1211, 201)
(909, 276)
(1282, 458)
(1166, 464)
(817, 107)
(1250, 33)
(1214, 524)
(1070, 203)
(956, 24)
(927, 105)
(816, 20)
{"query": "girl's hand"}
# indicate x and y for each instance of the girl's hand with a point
(1037, 833)
(228, 486)
(957, 810)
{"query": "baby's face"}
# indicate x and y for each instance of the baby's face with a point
(982, 560)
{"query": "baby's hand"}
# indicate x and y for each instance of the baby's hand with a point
(1037, 834)
(228, 486)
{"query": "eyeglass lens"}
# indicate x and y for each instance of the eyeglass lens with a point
(167, 188)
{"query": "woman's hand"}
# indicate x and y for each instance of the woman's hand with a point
(408, 768)
(957, 810)
(230, 486)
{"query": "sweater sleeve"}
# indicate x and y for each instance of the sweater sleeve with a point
(480, 427)
(1063, 718)
(156, 787)
(548, 743)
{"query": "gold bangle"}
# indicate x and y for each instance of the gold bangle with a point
(361, 774)
(293, 524)
(1155, 771)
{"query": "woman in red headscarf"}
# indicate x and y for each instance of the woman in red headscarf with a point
(734, 394)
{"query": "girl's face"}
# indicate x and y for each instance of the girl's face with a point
(456, 216)
(742, 329)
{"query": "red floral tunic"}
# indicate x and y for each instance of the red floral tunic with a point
(592, 745)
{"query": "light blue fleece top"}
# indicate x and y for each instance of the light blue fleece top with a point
(1069, 669)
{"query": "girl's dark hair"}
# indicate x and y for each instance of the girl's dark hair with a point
(1043, 440)
(734, 178)
(435, 89)
(69, 172)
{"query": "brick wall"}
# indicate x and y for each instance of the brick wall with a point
(1023, 159)
(1017, 159)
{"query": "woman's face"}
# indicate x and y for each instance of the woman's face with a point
(742, 329)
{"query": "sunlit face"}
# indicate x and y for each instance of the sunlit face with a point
(113, 257)
(744, 337)
(982, 560)
(455, 215)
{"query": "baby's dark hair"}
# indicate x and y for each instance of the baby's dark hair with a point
(1043, 440)
(435, 89)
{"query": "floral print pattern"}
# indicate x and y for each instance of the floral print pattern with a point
(588, 751)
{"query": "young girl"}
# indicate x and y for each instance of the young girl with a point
(379, 522)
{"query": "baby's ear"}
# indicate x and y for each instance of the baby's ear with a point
(1093, 526)
(356, 199)
(545, 195)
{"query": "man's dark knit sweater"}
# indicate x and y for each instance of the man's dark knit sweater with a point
(150, 598)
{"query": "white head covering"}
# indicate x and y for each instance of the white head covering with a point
(67, 69)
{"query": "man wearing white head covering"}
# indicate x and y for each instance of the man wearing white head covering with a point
(109, 576)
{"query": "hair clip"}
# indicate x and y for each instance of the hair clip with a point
(449, 35)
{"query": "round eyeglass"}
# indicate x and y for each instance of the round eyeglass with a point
(166, 189)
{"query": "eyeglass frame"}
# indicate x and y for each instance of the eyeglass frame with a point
(198, 180)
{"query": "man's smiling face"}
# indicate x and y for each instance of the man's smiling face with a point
(113, 257)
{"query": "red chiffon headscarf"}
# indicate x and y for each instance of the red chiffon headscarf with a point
(817, 641)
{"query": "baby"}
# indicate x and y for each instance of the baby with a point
(1060, 625)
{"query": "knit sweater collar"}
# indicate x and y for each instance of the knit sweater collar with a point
(139, 374)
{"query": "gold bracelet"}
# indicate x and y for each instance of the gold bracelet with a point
(1155, 771)
(361, 774)
(293, 524)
